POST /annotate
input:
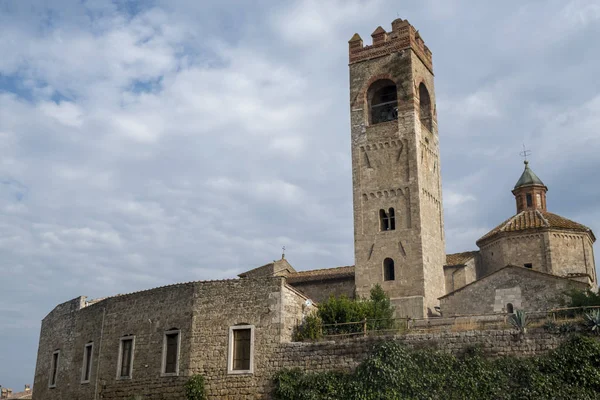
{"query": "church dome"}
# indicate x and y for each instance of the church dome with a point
(533, 220)
(528, 177)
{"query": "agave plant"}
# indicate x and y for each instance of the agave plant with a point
(593, 321)
(519, 321)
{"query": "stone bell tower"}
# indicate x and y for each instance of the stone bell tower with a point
(398, 216)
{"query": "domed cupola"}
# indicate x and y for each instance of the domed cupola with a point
(530, 191)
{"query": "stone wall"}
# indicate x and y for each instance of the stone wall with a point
(321, 290)
(572, 253)
(347, 354)
(202, 311)
(524, 288)
(460, 275)
(516, 249)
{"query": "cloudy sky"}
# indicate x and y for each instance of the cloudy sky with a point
(148, 143)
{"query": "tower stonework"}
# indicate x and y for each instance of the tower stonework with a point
(398, 216)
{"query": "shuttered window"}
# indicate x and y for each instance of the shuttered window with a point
(171, 352)
(126, 358)
(241, 349)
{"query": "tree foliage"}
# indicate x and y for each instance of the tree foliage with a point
(583, 298)
(394, 372)
(377, 311)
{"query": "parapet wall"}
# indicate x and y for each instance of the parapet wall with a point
(403, 36)
(347, 354)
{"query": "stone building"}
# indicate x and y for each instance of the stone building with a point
(236, 332)
(532, 247)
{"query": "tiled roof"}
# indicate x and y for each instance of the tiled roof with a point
(532, 220)
(321, 274)
(460, 258)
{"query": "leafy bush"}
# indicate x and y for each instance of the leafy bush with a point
(194, 388)
(519, 321)
(377, 311)
(311, 328)
(394, 372)
(583, 298)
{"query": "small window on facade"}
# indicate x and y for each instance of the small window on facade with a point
(54, 369)
(241, 349)
(509, 308)
(383, 98)
(125, 366)
(528, 265)
(529, 200)
(388, 270)
(387, 220)
(171, 352)
(384, 222)
(86, 369)
(425, 111)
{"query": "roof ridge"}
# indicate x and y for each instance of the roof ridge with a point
(322, 269)
(546, 222)
(510, 221)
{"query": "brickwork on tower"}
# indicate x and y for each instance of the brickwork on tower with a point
(396, 170)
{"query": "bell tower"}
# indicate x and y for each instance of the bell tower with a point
(397, 191)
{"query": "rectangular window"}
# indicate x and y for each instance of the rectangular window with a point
(125, 365)
(86, 369)
(528, 266)
(54, 369)
(170, 361)
(529, 200)
(241, 349)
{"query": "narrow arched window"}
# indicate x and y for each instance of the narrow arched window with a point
(387, 220)
(509, 308)
(392, 218)
(425, 112)
(388, 270)
(383, 101)
(384, 221)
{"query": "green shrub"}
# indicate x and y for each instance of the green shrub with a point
(377, 310)
(194, 388)
(393, 372)
(583, 298)
(592, 320)
(310, 329)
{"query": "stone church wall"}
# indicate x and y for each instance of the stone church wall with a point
(523, 288)
(515, 249)
(320, 291)
(571, 254)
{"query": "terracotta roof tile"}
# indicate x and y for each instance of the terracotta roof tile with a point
(321, 274)
(534, 219)
(460, 258)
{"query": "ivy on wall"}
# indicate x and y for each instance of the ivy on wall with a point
(394, 372)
